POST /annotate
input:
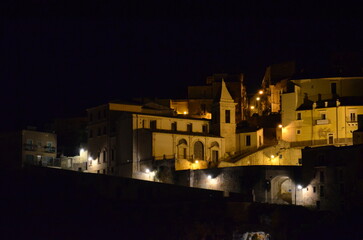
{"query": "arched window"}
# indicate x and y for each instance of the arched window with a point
(182, 141)
(182, 149)
(198, 151)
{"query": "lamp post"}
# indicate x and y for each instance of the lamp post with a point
(299, 187)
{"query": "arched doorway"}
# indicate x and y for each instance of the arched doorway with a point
(182, 149)
(198, 151)
(282, 190)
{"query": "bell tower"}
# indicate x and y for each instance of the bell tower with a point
(224, 119)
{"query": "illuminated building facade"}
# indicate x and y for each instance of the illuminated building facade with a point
(321, 111)
(127, 138)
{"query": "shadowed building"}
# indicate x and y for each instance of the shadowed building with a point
(28, 147)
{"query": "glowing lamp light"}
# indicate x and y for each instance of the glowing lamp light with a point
(196, 161)
(280, 125)
(90, 158)
(299, 187)
(209, 177)
(258, 98)
(147, 170)
(81, 150)
(185, 113)
(252, 107)
(260, 92)
(272, 156)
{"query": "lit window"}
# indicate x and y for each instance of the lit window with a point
(153, 124)
(352, 115)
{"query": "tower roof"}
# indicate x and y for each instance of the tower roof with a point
(225, 95)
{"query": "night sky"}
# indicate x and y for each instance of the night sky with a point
(59, 57)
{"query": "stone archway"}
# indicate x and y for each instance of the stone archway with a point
(282, 190)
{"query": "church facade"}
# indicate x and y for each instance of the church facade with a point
(126, 139)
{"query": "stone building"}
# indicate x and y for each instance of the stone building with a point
(125, 139)
(321, 111)
(332, 178)
(201, 98)
(28, 147)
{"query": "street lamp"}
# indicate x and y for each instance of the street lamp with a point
(260, 92)
(299, 187)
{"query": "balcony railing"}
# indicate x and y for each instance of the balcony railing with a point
(322, 121)
(30, 147)
(49, 149)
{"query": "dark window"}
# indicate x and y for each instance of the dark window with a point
(203, 108)
(104, 113)
(99, 115)
(190, 127)
(314, 189)
(104, 171)
(298, 117)
(174, 126)
(98, 157)
(321, 191)
(104, 130)
(323, 116)
(333, 87)
(330, 139)
(104, 156)
(112, 154)
(228, 116)
(153, 124)
(248, 140)
(90, 133)
(352, 117)
(184, 153)
(99, 132)
(90, 117)
(205, 128)
(317, 204)
(322, 177)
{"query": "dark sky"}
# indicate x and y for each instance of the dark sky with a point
(58, 58)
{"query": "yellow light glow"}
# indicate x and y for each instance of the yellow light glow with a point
(258, 98)
(280, 125)
(90, 158)
(252, 107)
(147, 170)
(209, 177)
(185, 113)
(272, 156)
(260, 92)
(196, 161)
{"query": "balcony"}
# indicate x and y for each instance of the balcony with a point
(30, 147)
(49, 149)
(322, 121)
